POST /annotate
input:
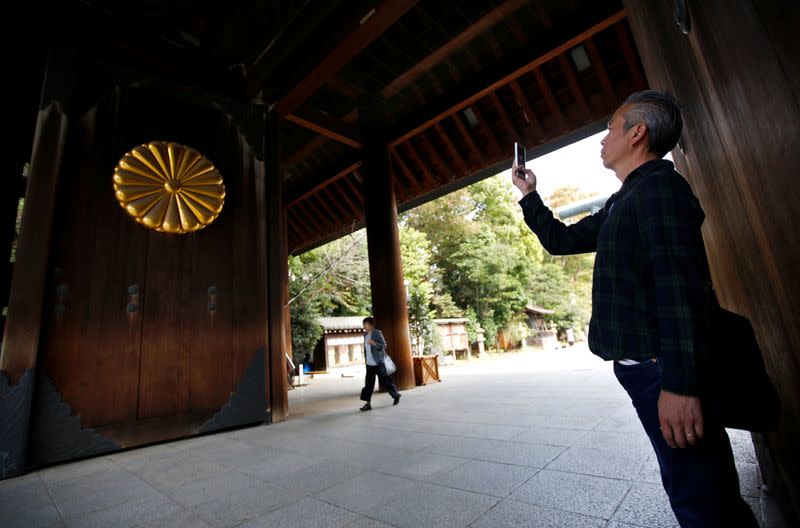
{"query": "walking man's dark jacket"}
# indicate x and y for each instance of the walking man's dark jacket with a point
(651, 282)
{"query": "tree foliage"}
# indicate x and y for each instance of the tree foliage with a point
(466, 254)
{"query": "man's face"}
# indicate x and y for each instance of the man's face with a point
(367, 327)
(616, 144)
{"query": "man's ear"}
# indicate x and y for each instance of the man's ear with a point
(639, 132)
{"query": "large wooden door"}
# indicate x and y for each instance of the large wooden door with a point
(147, 334)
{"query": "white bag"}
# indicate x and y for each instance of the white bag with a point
(389, 365)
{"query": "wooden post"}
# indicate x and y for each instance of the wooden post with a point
(277, 271)
(21, 336)
(26, 297)
(383, 243)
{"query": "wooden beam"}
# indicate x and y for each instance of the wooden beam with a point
(326, 125)
(468, 139)
(530, 67)
(383, 16)
(454, 153)
(456, 44)
(550, 99)
(574, 87)
(602, 74)
(494, 146)
(447, 171)
(298, 223)
(321, 217)
(317, 142)
(277, 268)
(409, 176)
(415, 158)
(356, 211)
(631, 59)
(527, 109)
(504, 117)
(339, 207)
(354, 190)
(350, 167)
(313, 223)
(328, 209)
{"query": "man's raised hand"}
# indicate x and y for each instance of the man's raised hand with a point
(525, 185)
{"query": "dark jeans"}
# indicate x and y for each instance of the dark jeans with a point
(369, 382)
(701, 481)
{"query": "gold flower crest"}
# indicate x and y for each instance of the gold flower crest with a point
(169, 187)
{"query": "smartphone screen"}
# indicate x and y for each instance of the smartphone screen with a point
(519, 155)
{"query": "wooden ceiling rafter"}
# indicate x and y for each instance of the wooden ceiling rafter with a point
(298, 224)
(513, 130)
(463, 168)
(452, 46)
(446, 171)
(318, 141)
(600, 69)
(530, 67)
(527, 109)
(315, 200)
(550, 100)
(575, 88)
(368, 30)
(421, 166)
(326, 125)
(327, 196)
(634, 67)
(405, 171)
(354, 189)
(312, 224)
(355, 211)
(486, 128)
(468, 139)
(349, 167)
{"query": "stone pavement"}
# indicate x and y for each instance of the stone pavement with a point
(540, 439)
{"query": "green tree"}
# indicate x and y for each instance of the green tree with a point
(306, 330)
(415, 249)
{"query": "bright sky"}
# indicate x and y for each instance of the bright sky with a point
(576, 165)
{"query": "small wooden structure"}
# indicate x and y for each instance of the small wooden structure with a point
(426, 369)
(543, 336)
(453, 334)
(341, 345)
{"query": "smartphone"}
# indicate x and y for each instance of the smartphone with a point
(519, 159)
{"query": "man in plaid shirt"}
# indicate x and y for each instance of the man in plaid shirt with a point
(650, 288)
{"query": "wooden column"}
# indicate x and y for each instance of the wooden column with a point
(736, 77)
(21, 336)
(383, 242)
(277, 271)
(26, 297)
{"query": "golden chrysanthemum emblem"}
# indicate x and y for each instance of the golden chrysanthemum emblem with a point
(169, 187)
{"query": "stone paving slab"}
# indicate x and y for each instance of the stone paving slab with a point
(543, 440)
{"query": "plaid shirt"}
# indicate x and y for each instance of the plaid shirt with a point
(651, 280)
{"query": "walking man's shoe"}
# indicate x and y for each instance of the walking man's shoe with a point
(397, 399)
(368, 407)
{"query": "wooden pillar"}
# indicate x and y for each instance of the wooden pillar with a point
(277, 271)
(736, 77)
(26, 297)
(383, 242)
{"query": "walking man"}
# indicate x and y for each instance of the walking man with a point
(374, 353)
(651, 283)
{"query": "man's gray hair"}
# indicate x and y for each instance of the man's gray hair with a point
(659, 111)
